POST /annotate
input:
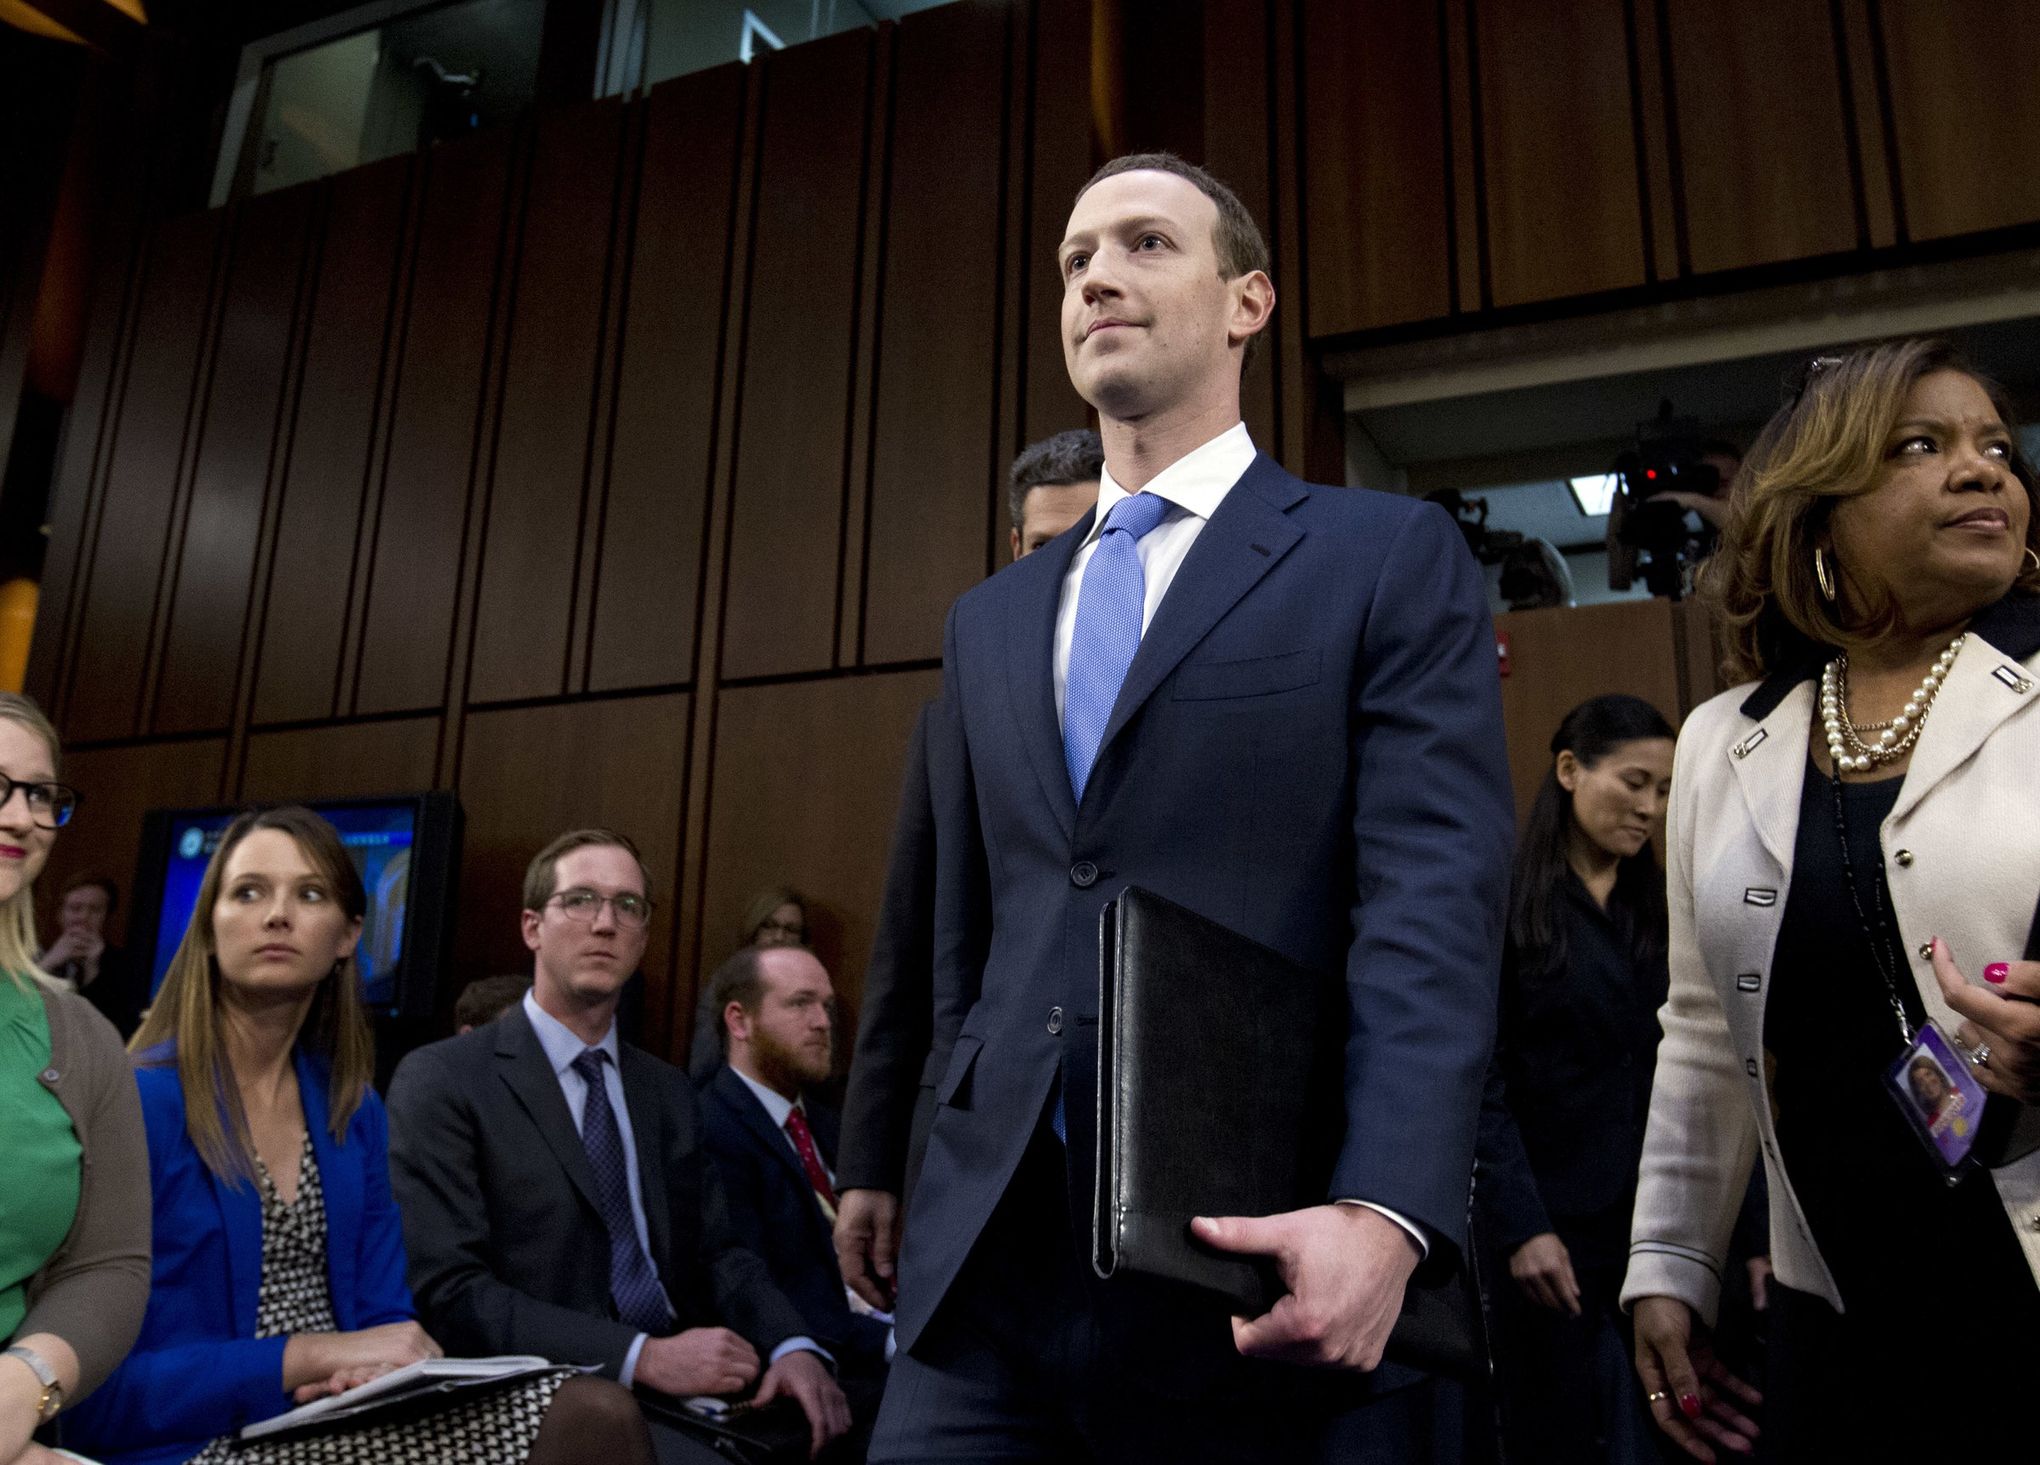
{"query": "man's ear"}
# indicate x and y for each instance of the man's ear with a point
(736, 1021)
(530, 924)
(1253, 305)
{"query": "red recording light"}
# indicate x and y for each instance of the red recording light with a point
(1650, 473)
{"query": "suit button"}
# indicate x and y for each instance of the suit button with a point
(1083, 874)
(1926, 951)
(1054, 1020)
(1904, 858)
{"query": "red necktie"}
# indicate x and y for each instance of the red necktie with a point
(810, 1157)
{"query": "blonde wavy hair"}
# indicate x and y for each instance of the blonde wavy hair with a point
(17, 916)
(186, 1013)
(1823, 447)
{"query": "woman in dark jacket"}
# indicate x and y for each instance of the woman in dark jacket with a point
(1569, 1089)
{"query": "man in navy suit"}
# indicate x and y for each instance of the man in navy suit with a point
(775, 1143)
(1275, 704)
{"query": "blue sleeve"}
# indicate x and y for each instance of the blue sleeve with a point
(1433, 826)
(384, 1296)
(173, 1386)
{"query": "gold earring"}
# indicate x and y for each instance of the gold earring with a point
(1820, 573)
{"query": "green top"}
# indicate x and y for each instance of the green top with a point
(40, 1199)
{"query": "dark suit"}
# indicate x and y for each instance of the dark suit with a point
(891, 1095)
(508, 1250)
(774, 1212)
(1308, 748)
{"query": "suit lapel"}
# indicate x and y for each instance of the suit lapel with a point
(1246, 538)
(529, 1074)
(1030, 668)
(1983, 688)
(751, 1114)
(241, 1220)
(647, 1114)
(340, 1191)
(1770, 770)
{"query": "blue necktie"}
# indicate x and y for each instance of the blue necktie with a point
(1107, 631)
(633, 1285)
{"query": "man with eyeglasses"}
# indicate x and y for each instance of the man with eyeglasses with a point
(555, 1192)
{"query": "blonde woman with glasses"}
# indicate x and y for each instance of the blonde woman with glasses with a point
(74, 1205)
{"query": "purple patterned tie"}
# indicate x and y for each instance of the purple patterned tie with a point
(633, 1285)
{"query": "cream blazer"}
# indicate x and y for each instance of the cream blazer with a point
(1962, 855)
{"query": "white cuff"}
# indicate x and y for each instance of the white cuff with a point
(628, 1372)
(1416, 1231)
(802, 1344)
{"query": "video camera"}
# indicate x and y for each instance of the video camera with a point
(1645, 532)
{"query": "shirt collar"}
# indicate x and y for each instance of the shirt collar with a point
(561, 1043)
(1196, 483)
(776, 1104)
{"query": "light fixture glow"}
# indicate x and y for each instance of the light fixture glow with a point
(1595, 494)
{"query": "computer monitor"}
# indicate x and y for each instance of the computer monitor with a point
(407, 848)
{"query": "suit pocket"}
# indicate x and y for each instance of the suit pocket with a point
(954, 1090)
(1259, 676)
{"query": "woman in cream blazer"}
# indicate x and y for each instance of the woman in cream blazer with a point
(1894, 467)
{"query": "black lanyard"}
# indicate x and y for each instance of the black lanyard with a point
(1885, 949)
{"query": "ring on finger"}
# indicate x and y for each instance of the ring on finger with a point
(1655, 1396)
(1981, 1056)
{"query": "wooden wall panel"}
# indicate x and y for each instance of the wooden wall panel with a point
(663, 445)
(530, 773)
(535, 540)
(1964, 113)
(786, 533)
(1375, 146)
(348, 761)
(120, 785)
(1560, 185)
(311, 582)
(118, 607)
(807, 780)
(1763, 139)
(935, 480)
(1235, 44)
(422, 508)
(230, 482)
(1060, 146)
(1559, 658)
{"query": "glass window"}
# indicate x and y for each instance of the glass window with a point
(421, 76)
(657, 39)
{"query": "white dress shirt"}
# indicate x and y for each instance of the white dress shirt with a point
(1195, 485)
(562, 1046)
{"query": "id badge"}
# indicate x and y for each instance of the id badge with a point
(1934, 1088)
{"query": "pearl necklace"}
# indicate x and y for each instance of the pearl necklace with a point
(1895, 738)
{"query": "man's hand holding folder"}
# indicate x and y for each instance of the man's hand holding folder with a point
(1345, 1268)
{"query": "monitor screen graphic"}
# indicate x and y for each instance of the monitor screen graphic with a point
(379, 837)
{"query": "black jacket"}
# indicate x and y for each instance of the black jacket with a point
(774, 1211)
(508, 1251)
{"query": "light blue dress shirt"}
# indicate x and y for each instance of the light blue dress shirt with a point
(562, 1046)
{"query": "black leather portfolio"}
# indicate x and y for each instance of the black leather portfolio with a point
(1220, 1094)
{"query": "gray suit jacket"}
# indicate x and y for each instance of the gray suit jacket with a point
(508, 1251)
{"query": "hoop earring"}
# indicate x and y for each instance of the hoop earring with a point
(2033, 557)
(1820, 573)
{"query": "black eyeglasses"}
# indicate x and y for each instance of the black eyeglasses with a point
(633, 911)
(50, 805)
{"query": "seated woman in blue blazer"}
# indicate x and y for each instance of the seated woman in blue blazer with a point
(279, 1259)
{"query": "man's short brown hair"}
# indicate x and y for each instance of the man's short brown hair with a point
(487, 998)
(740, 979)
(541, 875)
(1237, 238)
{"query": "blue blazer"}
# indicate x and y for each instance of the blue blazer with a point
(1308, 749)
(198, 1370)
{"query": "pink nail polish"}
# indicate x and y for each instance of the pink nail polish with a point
(1996, 972)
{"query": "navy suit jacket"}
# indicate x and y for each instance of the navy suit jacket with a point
(1307, 748)
(198, 1370)
(774, 1212)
